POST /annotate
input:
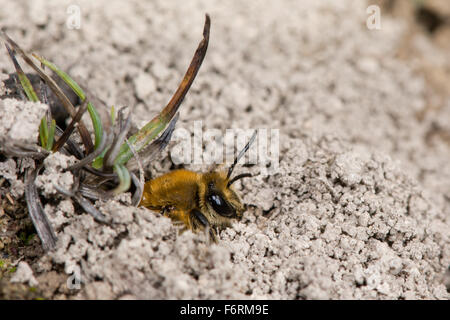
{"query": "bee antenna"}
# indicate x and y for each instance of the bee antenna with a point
(239, 176)
(243, 151)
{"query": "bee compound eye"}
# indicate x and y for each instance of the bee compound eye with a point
(220, 205)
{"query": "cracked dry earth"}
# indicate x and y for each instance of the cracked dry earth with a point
(359, 207)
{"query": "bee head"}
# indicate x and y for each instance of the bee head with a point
(219, 197)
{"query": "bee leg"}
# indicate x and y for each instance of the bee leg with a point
(213, 235)
(199, 217)
(167, 211)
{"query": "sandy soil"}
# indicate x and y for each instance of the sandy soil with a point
(360, 206)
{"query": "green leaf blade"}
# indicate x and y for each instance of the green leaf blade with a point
(93, 113)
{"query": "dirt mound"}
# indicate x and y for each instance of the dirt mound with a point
(359, 207)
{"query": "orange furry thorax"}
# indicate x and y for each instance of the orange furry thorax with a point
(176, 188)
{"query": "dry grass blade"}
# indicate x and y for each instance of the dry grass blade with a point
(155, 148)
(84, 203)
(22, 150)
(25, 82)
(137, 196)
(71, 147)
(96, 172)
(84, 133)
(37, 213)
(110, 156)
(159, 122)
(172, 107)
(43, 94)
(89, 208)
(65, 136)
(94, 193)
(139, 183)
(107, 138)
